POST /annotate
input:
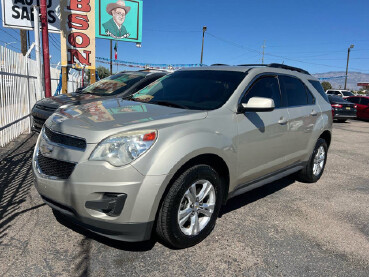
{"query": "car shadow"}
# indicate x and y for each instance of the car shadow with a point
(249, 197)
(121, 245)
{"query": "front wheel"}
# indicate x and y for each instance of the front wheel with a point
(316, 164)
(190, 208)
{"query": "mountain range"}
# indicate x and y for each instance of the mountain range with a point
(337, 79)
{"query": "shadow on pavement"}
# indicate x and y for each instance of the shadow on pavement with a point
(256, 194)
(15, 182)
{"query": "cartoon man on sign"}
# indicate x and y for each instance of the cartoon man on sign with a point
(114, 27)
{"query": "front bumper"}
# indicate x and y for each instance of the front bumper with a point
(90, 181)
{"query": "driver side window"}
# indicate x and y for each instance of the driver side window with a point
(267, 87)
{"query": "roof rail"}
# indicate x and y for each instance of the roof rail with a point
(278, 65)
(219, 64)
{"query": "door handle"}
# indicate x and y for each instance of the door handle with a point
(282, 121)
(313, 113)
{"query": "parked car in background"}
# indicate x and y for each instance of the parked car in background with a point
(171, 156)
(118, 85)
(340, 92)
(362, 103)
(342, 109)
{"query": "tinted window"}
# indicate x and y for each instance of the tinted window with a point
(265, 87)
(347, 93)
(317, 85)
(193, 89)
(294, 90)
(310, 97)
(336, 99)
(114, 84)
(364, 101)
(355, 100)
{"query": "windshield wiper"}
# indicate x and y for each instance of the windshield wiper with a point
(169, 104)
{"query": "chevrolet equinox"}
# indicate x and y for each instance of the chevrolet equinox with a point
(167, 158)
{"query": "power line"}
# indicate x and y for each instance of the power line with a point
(2, 30)
(273, 55)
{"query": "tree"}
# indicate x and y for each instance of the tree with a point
(326, 85)
(103, 72)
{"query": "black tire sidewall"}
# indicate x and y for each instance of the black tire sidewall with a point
(311, 175)
(181, 185)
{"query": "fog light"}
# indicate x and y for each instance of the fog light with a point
(111, 204)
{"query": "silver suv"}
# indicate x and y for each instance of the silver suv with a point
(166, 159)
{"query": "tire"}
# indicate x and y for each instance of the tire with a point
(341, 120)
(177, 205)
(311, 174)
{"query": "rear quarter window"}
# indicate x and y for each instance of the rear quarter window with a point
(318, 87)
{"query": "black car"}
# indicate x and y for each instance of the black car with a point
(342, 109)
(120, 85)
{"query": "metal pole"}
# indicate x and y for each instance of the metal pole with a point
(45, 47)
(262, 59)
(111, 57)
(202, 47)
(348, 57)
(38, 55)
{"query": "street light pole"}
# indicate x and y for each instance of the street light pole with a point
(202, 47)
(348, 57)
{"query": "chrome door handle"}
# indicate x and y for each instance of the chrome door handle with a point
(313, 113)
(282, 121)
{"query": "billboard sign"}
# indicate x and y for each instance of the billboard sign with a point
(78, 33)
(18, 14)
(119, 20)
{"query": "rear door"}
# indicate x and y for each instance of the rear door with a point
(261, 146)
(303, 113)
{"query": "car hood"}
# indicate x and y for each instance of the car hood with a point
(96, 120)
(70, 98)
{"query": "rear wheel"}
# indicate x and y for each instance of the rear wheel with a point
(190, 209)
(316, 164)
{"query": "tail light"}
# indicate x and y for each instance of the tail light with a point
(332, 112)
(336, 106)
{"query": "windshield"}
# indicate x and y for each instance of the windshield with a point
(347, 93)
(195, 89)
(114, 84)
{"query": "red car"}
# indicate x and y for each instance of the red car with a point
(362, 105)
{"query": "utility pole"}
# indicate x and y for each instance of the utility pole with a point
(262, 58)
(23, 37)
(111, 57)
(348, 57)
(45, 47)
(202, 47)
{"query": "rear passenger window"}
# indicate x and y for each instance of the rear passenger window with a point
(294, 91)
(364, 101)
(355, 100)
(310, 97)
(265, 87)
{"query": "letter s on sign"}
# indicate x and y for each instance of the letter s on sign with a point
(78, 21)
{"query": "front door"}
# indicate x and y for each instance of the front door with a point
(261, 141)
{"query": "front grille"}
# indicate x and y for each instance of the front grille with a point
(45, 108)
(65, 139)
(55, 168)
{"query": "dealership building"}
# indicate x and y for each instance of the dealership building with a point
(365, 85)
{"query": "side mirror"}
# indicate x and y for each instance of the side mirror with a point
(257, 104)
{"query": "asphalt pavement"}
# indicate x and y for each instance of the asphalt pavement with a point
(285, 228)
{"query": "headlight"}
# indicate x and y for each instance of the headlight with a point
(123, 148)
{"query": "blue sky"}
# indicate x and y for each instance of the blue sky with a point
(313, 35)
